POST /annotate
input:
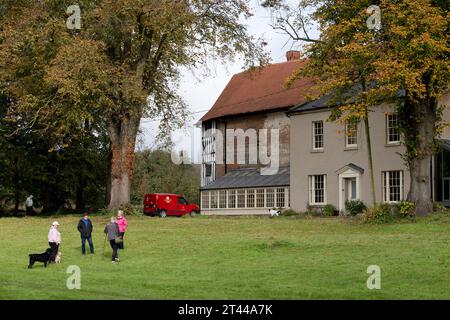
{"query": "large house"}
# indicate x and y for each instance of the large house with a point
(330, 164)
(318, 162)
(236, 177)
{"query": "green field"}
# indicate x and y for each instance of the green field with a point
(233, 258)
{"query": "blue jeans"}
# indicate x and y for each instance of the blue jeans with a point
(83, 244)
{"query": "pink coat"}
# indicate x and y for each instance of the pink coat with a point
(54, 235)
(123, 224)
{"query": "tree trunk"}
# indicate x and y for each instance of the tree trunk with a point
(419, 138)
(80, 203)
(369, 154)
(16, 186)
(122, 133)
(16, 205)
(420, 188)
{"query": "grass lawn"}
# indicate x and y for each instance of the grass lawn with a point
(233, 258)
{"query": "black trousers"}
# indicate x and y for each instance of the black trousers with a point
(120, 245)
(54, 246)
(114, 247)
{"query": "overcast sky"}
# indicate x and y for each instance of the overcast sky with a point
(201, 95)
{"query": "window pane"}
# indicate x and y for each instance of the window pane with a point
(205, 200)
(446, 190)
(281, 199)
(318, 135)
(231, 199)
(214, 203)
(208, 169)
(392, 128)
(392, 186)
(241, 198)
(352, 133)
(270, 198)
(260, 198)
(222, 199)
(250, 198)
(353, 183)
(317, 189)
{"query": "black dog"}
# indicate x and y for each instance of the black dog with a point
(40, 257)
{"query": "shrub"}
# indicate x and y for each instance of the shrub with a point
(380, 213)
(354, 207)
(438, 207)
(105, 212)
(407, 209)
(329, 210)
(133, 210)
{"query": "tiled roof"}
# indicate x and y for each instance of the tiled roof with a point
(250, 178)
(326, 101)
(262, 90)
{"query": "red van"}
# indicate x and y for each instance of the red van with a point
(165, 204)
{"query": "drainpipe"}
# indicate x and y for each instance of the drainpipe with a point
(225, 146)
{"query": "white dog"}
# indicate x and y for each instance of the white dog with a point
(274, 213)
(58, 257)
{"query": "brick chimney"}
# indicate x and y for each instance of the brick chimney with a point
(293, 55)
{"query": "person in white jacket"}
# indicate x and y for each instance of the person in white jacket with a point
(54, 240)
(29, 204)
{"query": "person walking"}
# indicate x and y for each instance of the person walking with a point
(85, 228)
(123, 225)
(54, 240)
(112, 233)
(29, 205)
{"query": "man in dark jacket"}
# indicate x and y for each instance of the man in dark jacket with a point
(85, 228)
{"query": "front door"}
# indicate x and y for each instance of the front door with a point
(349, 184)
(350, 189)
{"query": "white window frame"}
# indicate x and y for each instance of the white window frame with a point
(232, 195)
(280, 197)
(258, 193)
(388, 136)
(277, 202)
(312, 190)
(314, 136)
(385, 176)
(214, 194)
(347, 136)
(205, 198)
(272, 195)
(250, 194)
(222, 199)
(241, 194)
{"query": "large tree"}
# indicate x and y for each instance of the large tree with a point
(403, 61)
(123, 64)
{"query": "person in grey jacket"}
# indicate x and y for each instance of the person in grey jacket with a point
(112, 232)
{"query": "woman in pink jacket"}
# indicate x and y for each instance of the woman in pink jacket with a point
(123, 225)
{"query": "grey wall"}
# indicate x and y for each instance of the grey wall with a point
(305, 162)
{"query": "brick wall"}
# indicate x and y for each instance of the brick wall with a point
(273, 120)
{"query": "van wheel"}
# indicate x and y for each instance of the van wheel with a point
(193, 213)
(163, 214)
